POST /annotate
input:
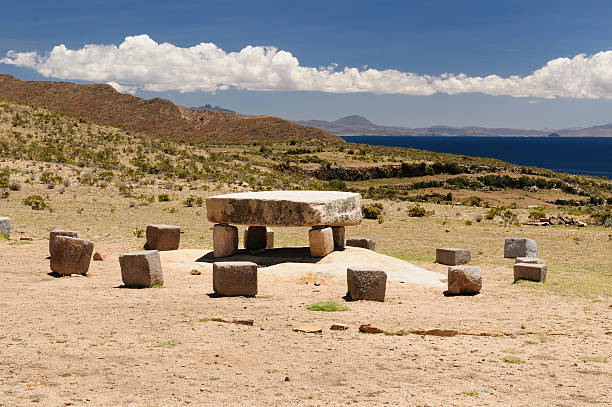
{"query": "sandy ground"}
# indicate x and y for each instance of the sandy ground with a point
(86, 341)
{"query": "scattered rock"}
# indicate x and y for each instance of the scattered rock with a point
(27, 239)
(249, 322)
(441, 332)
(195, 272)
(55, 233)
(98, 257)
(339, 327)
(367, 328)
(309, 329)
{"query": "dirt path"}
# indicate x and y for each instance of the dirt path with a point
(83, 341)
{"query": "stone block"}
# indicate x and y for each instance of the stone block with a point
(141, 269)
(231, 278)
(464, 280)
(225, 240)
(530, 271)
(57, 232)
(362, 242)
(71, 255)
(339, 233)
(285, 208)
(5, 226)
(163, 237)
(536, 260)
(321, 241)
(520, 247)
(366, 283)
(453, 256)
(256, 238)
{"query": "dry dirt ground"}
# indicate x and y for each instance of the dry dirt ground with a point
(85, 341)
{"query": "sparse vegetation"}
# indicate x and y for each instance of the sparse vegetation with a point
(327, 306)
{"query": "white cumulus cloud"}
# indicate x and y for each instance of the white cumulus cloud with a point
(140, 63)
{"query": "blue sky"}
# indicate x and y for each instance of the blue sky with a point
(418, 41)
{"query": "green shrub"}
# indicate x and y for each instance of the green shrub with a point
(417, 211)
(537, 213)
(372, 211)
(36, 202)
(336, 185)
(192, 201)
(473, 201)
(163, 198)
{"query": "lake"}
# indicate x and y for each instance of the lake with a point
(576, 155)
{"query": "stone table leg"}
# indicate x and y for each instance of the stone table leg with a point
(225, 240)
(321, 241)
(255, 237)
(339, 233)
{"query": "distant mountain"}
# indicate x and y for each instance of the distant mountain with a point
(215, 108)
(157, 117)
(357, 125)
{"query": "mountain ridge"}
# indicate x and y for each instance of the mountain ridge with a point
(354, 125)
(102, 104)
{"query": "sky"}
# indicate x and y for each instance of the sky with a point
(523, 64)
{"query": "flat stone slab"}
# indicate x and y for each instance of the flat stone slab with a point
(530, 271)
(286, 208)
(520, 247)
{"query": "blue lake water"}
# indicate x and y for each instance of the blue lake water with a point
(576, 155)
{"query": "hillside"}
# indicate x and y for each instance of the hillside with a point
(357, 125)
(157, 117)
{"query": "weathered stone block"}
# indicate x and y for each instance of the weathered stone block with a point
(233, 278)
(321, 241)
(225, 240)
(286, 208)
(163, 237)
(453, 256)
(530, 271)
(362, 242)
(464, 279)
(57, 232)
(366, 283)
(339, 233)
(536, 260)
(141, 269)
(71, 255)
(520, 247)
(256, 237)
(5, 226)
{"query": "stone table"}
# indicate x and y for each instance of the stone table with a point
(325, 212)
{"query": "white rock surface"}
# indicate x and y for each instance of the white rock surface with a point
(286, 208)
(331, 267)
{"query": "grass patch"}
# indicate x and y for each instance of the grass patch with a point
(168, 344)
(19, 243)
(158, 285)
(327, 306)
(596, 359)
(512, 360)
(470, 393)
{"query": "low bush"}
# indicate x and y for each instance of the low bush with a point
(36, 202)
(372, 211)
(417, 211)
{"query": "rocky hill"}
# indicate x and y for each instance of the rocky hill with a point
(157, 117)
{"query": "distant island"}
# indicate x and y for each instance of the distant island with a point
(355, 125)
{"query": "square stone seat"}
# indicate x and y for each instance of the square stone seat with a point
(366, 283)
(233, 278)
(285, 208)
(520, 247)
(71, 255)
(5, 226)
(464, 280)
(163, 237)
(57, 232)
(530, 271)
(141, 269)
(452, 256)
(363, 242)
